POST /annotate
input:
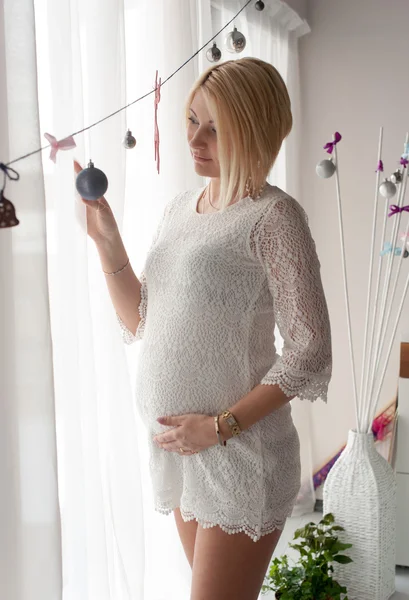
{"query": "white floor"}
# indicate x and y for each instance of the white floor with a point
(402, 574)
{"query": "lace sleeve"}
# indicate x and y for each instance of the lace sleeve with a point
(287, 251)
(127, 335)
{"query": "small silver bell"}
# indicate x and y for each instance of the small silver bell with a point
(129, 140)
(396, 177)
(325, 169)
(387, 189)
(235, 41)
(213, 54)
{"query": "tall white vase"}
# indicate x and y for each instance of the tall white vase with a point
(360, 491)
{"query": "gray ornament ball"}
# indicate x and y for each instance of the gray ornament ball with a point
(91, 183)
(235, 41)
(325, 169)
(129, 140)
(213, 54)
(396, 177)
(387, 189)
(405, 254)
(260, 5)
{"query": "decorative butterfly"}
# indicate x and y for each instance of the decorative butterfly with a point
(387, 249)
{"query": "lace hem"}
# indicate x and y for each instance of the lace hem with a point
(296, 384)
(255, 532)
(127, 335)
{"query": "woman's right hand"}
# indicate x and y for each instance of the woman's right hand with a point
(101, 224)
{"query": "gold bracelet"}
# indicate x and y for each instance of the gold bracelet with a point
(119, 270)
(232, 423)
(219, 437)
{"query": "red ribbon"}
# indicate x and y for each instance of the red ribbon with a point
(156, 134)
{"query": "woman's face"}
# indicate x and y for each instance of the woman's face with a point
(202, 138)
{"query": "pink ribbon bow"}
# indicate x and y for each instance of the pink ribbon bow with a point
(380, 167)
(156, 134)
(404, 162)
(394, 209)
(331, 145)
(65, 144)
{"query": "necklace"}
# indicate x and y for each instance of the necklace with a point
(210, 202)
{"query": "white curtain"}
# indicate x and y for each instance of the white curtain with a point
(91, 57)
(30, 540)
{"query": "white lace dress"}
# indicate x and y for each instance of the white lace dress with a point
(213, 287)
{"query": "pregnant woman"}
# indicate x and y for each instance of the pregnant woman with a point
(228, 262)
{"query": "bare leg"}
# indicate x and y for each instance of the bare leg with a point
(230, 567)
(187, 533)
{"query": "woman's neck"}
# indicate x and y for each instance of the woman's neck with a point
(215, 190)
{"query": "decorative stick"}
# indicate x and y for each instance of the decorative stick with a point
(341, 232)
(373, 401)
(383, 324)
(378, 391)
(368, 299)
(376, 305)
(373, 356)
(395, 283)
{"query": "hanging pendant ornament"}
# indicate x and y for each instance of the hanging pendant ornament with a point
(129, 140)
(156, 136)
(7, 211)
(387, 189)
(326, 168)
(260, 5)
(235, 41)
(213, 54)
(396, 177)
(91, 183)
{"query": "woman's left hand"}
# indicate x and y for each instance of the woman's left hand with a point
(189, 434)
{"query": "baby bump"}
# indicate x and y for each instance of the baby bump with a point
(184, 388)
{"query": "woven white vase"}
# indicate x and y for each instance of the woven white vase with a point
(360, 491)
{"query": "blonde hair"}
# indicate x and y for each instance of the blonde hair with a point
(250, 105)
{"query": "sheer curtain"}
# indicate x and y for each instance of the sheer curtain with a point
(30, 539)
(67, 65)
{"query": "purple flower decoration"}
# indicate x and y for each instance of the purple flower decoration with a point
(404, 162)
(380, 167)
(331, 145)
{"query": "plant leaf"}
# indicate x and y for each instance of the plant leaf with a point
(344, 560)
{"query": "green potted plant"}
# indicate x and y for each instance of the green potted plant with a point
(311, 577)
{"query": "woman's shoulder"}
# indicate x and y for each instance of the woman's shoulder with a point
(278, 205)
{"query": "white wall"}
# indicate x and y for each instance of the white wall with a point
(354, 78)
(300, 7)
